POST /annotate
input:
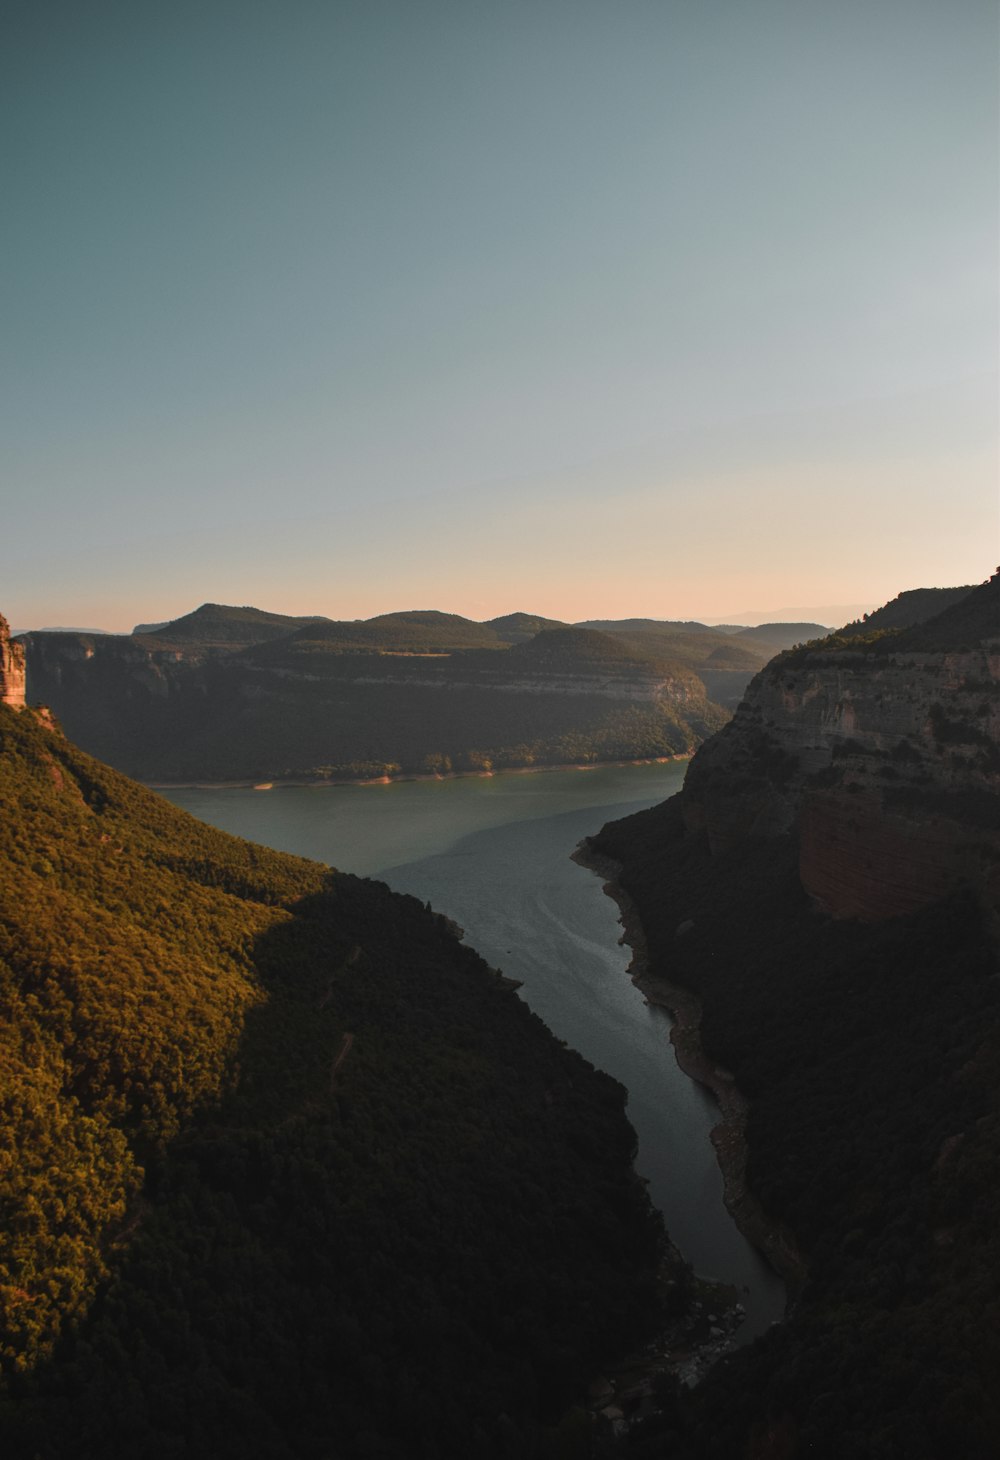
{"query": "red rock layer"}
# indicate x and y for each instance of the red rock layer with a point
(860, 861)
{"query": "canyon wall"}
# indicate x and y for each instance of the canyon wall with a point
(163, 711)
(883, 757)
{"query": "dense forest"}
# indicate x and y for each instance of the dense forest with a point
(287, 1169)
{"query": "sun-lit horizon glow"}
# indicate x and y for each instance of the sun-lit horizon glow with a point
(651, 310)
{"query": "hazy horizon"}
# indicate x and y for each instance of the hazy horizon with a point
(830, 615)
(630, 311)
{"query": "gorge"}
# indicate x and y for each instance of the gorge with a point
(825, 887)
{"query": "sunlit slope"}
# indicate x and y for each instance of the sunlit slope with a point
(281, 1159)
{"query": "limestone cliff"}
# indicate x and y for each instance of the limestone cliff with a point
(12, 674)
(164, 710)
(881, 755)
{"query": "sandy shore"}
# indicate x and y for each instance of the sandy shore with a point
(729, 1136)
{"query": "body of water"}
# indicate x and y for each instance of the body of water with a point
(494, 854)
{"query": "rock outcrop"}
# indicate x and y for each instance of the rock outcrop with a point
(12, 672)
(882, 755)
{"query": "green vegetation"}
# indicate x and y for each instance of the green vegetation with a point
(417, 632)
(916, 606)
(285, 1169)
(219, 626)
(841, 642)
(514, 628)
(917, 623)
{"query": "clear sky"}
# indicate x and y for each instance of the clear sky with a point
(590, 308)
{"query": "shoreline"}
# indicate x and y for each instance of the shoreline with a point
(729, 1136)
(319, 783)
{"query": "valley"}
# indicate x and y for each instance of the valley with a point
(818, 905)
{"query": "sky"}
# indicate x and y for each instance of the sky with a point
(585, 308)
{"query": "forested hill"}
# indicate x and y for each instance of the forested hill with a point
(219, 626)
(286, 1169)
(915, 606)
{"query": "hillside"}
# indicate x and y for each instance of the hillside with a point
(914, 606)
(779, 636)
(288, 1171)
(413, 693)
(516, 627)
(413, 632)
(828, 885)
(220, 626)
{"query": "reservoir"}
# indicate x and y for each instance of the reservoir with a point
(493, 853)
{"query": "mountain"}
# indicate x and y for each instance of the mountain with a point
(415, 632)
(827, 889)
(644, 625)
(286, 1169)
(219, 626)
(419, 692)
(516, 627)
(914, 606)
(780, 636)
(724, 663)
(61, 629)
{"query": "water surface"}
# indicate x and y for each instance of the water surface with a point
(494, 854)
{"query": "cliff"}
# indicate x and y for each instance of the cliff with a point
(826, 885)
(882, 755)
(12, 670)
(410, 693)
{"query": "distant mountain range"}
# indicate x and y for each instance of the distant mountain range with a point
(238, 693)
(57, 629)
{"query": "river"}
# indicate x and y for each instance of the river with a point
(494, 854)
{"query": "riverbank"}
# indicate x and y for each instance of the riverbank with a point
(729, 1136)
(320, 782)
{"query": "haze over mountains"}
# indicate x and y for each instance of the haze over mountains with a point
(226, 693)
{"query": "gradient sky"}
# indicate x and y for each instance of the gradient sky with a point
(589, 308)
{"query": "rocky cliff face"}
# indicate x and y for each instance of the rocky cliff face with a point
(165, 711)
(12, 674)
(883, 757)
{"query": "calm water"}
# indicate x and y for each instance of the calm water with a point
(494, 854)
